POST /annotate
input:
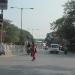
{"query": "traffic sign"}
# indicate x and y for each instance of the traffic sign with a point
(3, 4)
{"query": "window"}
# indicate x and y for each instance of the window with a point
(54, 46)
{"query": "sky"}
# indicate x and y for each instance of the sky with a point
(36, 21)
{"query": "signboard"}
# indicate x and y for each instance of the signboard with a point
(3, 4)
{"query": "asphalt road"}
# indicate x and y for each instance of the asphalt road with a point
(45, 64)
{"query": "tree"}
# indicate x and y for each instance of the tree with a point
(65, 26)
(69, 23)
(11, 33)
(51, 38)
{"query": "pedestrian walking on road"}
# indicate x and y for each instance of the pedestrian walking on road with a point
(33, 52)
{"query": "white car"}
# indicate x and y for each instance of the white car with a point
(54, 48)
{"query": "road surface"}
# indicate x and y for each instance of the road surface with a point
(45, 64)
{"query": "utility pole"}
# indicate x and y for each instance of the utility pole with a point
(1, 22)
(21, 40)
(3, 6)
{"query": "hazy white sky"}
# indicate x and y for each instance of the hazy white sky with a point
(36, 21)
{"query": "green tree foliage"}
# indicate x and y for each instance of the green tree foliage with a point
(25, 35)
(13, 34)
(51, 38)
(65, 26)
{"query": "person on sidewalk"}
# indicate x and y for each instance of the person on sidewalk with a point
(33, 52)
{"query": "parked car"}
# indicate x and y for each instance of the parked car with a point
(54, 48)
(2, 49)
(2, 52)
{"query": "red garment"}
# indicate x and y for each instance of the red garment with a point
(33, 51)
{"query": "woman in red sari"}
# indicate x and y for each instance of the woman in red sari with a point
(33, 51)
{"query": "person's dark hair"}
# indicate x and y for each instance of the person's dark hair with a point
(33, 42)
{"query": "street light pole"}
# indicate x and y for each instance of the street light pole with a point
(21, 17)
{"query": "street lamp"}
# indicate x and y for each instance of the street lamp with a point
(22, 13)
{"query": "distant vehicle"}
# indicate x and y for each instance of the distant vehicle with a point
(54, 48)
